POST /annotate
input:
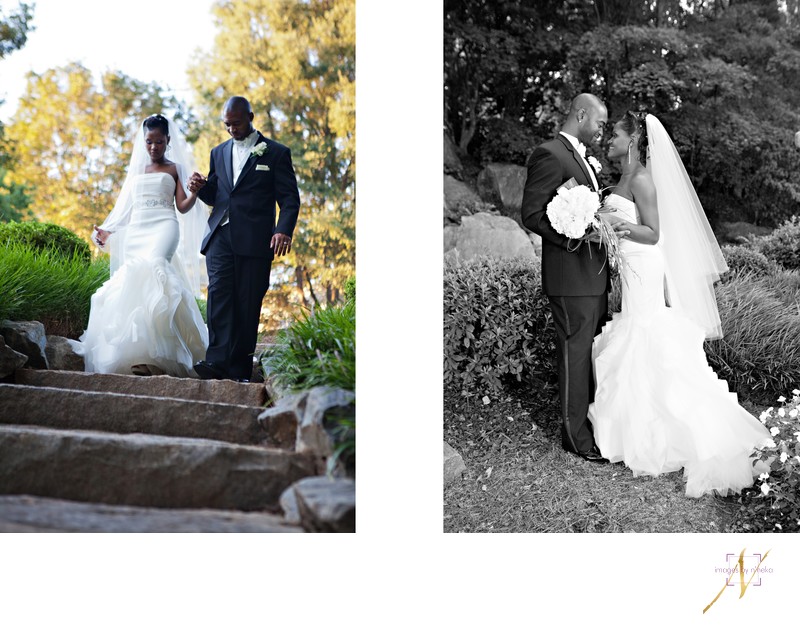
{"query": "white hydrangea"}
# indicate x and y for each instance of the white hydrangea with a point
(572, 210)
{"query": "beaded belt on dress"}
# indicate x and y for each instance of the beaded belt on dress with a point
(156, 203)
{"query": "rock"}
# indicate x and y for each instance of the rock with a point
(62, 408)
(280, 423)
(10, 360)
(503, 185)
(212, 390)
(452, 163)
(26, 513)
(145, 470)
(325, 504)
(483, 234)
(322, 406)
(450, 237)
(288, 502)
(61, 354)
(27, 338)
(454, 466)
(536, 240)
(460, 199)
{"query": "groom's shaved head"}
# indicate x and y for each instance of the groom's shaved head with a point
(237, 116)
(586, 119)
(237, 104)
(587, 102)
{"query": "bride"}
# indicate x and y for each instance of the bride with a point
(144, 320)
(659, 406)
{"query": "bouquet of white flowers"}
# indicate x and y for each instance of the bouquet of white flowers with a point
(574, 210)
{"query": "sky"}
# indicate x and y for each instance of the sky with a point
(149, 40)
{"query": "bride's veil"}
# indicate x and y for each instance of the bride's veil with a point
(187, 259)
(693, 259)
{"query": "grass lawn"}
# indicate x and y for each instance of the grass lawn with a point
(519, 479)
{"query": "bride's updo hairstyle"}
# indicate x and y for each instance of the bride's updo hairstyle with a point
(156, 121)
(633, 123)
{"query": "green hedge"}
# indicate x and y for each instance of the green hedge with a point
(48, 287)
(497, 325)
(317, 349)
(45, 237)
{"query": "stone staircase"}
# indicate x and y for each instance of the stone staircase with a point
(117, 453)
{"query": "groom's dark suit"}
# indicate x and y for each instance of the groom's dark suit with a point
(576, 282)
(238, 254)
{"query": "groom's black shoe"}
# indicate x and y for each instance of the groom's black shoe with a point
(208, 370)
(593, 455)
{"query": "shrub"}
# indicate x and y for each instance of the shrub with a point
(43, 237)
(350, 289)
(742, 257)
(773, 505)
(497, 325)
(783, 245)
(47, 287)
(318, 349)
(759, 354)
(202, 305)
(504, 140)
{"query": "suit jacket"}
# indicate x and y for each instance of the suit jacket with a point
(564, 272)
(264, 181)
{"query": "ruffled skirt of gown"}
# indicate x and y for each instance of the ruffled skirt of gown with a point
(145, 313)
(658, 404)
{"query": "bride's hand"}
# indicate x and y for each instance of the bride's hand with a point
(102, 236)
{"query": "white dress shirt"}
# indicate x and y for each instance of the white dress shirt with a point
(581, 149)
(240, 152)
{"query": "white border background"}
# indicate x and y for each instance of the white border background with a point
(399, 571)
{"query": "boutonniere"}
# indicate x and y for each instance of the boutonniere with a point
(595, 164)
(259, 149)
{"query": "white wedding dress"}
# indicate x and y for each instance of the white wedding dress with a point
(146, 313)
(658, 405)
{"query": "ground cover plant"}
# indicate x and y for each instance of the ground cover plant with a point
(505, 422)
(48, 286)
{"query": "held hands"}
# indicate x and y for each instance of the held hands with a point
(621, 227)
(280, 244)
(102, 236)
(196, 182)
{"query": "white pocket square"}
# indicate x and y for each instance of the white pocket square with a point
(262, 167)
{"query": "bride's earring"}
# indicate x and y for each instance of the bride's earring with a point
(629, 151)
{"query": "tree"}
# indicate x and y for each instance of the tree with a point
(295, 62)
(722, 75)
(74, 140)
(14, 198)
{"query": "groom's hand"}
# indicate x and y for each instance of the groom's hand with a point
(196, 182)
(280, 244)
(593, 236)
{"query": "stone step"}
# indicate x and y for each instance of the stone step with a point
(215, 391)
(27, 513)
(125, 414)
(145, 470)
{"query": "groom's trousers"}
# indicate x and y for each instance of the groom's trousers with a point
(577, 320)
(236, 288)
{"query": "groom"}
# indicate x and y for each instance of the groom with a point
(247, 176)
(574, 271)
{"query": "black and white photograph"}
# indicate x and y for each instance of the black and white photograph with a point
(621, 285)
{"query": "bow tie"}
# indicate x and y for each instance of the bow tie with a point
(240, 143)
(582, 149)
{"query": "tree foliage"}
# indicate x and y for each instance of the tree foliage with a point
(74, 140)
(721, 75)
(14, 199)
(295, 62)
